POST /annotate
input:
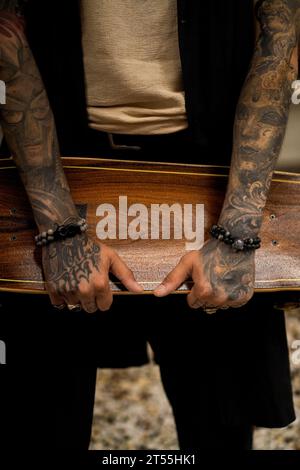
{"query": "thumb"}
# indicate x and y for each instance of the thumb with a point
(173, 280)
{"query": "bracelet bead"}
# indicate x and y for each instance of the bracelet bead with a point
(68, 229)
(239, 244)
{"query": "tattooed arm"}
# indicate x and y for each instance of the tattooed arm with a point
(73, 269)
(262, 115)
(223, 277)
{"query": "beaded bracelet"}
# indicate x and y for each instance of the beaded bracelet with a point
(71, 227)
(239, 244)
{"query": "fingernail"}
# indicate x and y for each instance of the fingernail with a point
(139, 287)
(160, 290)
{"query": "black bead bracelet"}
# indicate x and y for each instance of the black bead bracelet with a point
(239, 244)
(68, 229)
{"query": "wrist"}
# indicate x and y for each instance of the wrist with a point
(51, 206)
(240, 224)
(236, 243)
(231, 255)
(70, 228)
(55, 216)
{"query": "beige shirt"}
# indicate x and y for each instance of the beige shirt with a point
(132, 66)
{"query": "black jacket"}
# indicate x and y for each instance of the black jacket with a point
(216, 42)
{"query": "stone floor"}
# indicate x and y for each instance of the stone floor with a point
(132, 412)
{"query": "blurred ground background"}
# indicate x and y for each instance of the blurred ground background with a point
(132, 412)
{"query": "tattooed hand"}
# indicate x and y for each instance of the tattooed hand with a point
(77, 272)
(222, 277)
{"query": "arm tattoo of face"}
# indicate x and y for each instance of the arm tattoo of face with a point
(28, 124)
(261, 116)
(68, 262)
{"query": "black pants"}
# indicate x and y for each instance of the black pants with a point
(222, 373)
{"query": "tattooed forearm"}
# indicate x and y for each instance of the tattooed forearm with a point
(28, 124)
(262, 115)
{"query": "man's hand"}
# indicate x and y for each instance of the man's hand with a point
(222, 277)
(77, 270)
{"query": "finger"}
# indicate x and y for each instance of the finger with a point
(173, 280)
(204, 294)
(239, 299)
(104, 300)
(237, 304)
(71, 299)
(56, 299)
(103, 294)
(87, 299)
(199, 295)
(194, 300)
(124, 274)
(89, 305)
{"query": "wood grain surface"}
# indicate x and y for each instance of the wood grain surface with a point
(97, 181)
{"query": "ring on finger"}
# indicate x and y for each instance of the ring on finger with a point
(59, 306)
(209, 309)
(74, 308)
